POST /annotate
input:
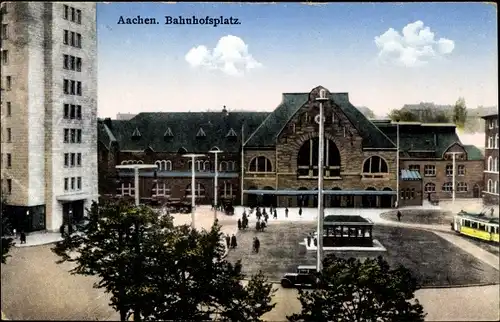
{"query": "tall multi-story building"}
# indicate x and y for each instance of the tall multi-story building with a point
(490, 193)
(49, 111)
(278, 151)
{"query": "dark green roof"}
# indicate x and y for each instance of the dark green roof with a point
(267, 133)
(184, 127)
(473, 153)
(415, 136)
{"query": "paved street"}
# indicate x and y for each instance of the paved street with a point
(34, 287)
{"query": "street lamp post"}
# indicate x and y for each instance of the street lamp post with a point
(321, 120)
(136, 168)
(453, 183)
(216, 183)
(193, 184)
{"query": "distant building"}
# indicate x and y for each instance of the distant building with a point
(49, 108)
(125, 116)
(278, 150)
(490, 193)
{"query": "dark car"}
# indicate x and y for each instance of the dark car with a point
(304, 277)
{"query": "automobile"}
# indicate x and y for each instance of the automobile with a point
(304, 277)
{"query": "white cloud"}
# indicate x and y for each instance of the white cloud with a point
(415, 46)
(230, 56)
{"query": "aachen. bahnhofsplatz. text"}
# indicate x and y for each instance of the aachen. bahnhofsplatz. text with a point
(179, 20)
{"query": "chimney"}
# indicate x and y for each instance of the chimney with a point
(107, 122)
(224, 110)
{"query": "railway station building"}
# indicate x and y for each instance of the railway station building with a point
(270, 158)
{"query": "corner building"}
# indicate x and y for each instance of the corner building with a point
(49, 112)
(279, 151)
(490, 192)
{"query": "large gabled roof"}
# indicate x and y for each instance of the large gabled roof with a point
(267, 133)
(155, 129)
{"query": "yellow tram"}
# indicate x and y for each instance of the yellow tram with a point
(478, 226)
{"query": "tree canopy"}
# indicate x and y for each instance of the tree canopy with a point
(426, 115)
(160, 271)
(460, 113)
(361, 291)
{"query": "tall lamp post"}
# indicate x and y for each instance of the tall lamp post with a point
(216, 183)
(136, 168)
(453, 183)
(321, 121)
(193, 184)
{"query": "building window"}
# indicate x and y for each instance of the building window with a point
(79, 183)
(164, 165)
(78, 64)
(449, 170)
(8, 83)
(66, 61)
(78, 16)
(461, 170)
(429, 170)
(414, 167)
(492, 186)
(72, 63)
(9, 135)
(78, 41)
(9, 160)
(127, 189)
(490, 142)
(199, 191)
(79, 88)
(73, 14)
(231, 166)
(66, 37)
(73, 39)
(66, 135)
(490, 163)
(125, 162)
(430, 187)
(5, 57)
(447, 187)
(227, 190)
(66, 160)
(5, 34)
(66, 184)
(462, 187)
(161, 190)
(307, 160)
(7, 186)
(65, 12)
(8, 109)
(73, 181)
(491, 124)
(496, 141)
(259, 164)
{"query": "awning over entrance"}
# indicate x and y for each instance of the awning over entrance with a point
(73, 197)
(410, 175)
(326, 192)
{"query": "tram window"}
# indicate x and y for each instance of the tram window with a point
(482, 227)
(466, 223)
(474, 225)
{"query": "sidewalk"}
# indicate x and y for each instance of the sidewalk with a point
(38, 239)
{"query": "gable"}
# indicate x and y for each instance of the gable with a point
(268, 132)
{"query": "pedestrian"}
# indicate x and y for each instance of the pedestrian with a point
(228, 241)
(233, 241)
(245, 222)
(23, 237)
(399, 215)
(257, 225)
(239, 224)
(266, 217)
(14, 232)
(61, 230)
(286, 212)
(259, 215)
(300, 211)
(315, 242)
(256, 245)
(309, 240)
(275, 214)
(492, 212)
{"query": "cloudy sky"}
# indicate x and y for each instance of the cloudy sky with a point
(384, 55)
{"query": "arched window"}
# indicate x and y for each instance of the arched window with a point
(495, 187)
(490, 186)
(307, 159)
(495, 164)
(168, 165)
(199, 191)
(260, 164)
(496, 141)
(124, 162)
(490, 163)
(231, 165)
(223, 166)
(375, 166)
(447, 187)
(182, 151)
(430, 187)
(206, 166)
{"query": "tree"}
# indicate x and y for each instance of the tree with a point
(403, 116)
(7, 242)
(460, 113)
(361, 291)
(160, 271)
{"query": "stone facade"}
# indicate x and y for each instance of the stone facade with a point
(35, 42)
(491, 167)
